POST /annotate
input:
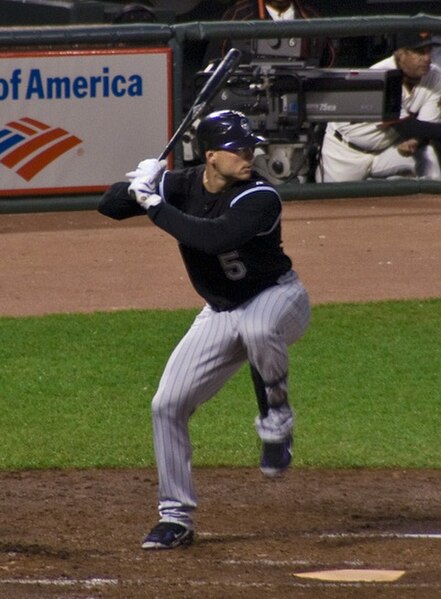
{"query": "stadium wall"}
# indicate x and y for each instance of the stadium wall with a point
(174, 38)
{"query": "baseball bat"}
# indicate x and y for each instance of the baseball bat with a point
(214, 83)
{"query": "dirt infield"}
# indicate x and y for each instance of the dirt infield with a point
(75, 534)
(344, 250)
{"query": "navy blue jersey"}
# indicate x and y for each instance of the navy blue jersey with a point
(230, 241)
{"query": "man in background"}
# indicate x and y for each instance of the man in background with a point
(357, 151)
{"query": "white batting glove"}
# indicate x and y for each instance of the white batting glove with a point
(150, 170)
(143, 194)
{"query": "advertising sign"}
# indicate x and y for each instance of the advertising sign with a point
(76, 121)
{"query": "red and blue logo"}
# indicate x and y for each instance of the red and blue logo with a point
(27, 146)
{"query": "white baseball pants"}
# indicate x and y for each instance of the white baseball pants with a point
(339, 162)
(213, 349)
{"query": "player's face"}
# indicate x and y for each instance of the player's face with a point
(234, 165)
(415, 63)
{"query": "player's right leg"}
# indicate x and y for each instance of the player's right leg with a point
(206, 357)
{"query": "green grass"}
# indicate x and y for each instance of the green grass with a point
(75, 390)
(368, 386)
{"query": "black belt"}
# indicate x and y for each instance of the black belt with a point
(339, 136)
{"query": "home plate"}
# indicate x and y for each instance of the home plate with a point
(354, 575)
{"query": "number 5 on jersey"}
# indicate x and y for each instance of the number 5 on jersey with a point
(233, 268)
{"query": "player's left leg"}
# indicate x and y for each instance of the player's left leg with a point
(268, 325)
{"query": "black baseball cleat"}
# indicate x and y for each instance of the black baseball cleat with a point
(167, 535)
(276, 458)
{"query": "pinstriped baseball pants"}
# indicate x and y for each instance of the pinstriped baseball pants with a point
(213, 349)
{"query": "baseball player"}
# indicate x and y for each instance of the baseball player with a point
(226, 220)
(357, 151)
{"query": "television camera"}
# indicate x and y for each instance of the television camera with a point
(289, 101)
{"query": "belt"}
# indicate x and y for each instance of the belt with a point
(339, 136)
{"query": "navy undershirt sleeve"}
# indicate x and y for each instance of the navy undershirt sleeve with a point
(255, 214)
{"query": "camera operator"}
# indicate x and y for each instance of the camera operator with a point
(357, 151)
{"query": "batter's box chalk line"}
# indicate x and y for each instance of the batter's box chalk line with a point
(377, 535)
(95, 584)
(87, 583)
(330, 535)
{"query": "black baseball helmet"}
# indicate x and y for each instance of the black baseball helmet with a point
(226, 130)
